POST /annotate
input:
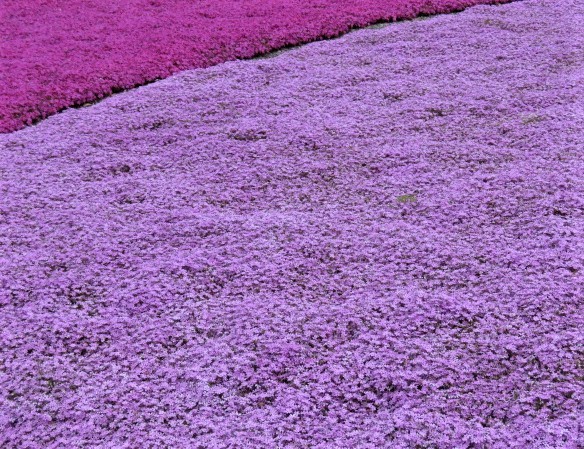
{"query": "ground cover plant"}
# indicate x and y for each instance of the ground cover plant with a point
(55, 53)
(371, 242)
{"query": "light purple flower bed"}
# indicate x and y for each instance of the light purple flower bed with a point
(55, 54)
(372, 242)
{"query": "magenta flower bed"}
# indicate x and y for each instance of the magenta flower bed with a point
(373, 242)
(57, 54)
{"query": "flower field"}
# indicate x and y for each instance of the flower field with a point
(375, 241)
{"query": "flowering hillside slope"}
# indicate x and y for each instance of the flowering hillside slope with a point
(55, 53)
(372, 242)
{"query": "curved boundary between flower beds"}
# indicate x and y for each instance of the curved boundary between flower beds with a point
(52, 63)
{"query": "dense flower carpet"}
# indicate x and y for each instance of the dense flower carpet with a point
(375, 241)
